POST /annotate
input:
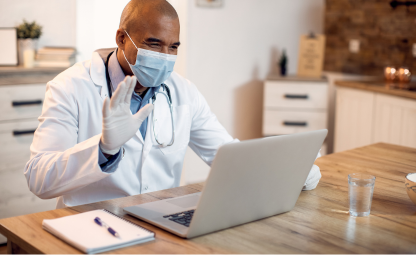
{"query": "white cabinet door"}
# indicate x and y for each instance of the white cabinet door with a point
(395, 120)
(16, 138)
(295, 95)
(21, 101)
(353, 119)
(15, 196)
(279, 122)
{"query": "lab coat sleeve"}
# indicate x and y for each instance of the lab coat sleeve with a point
(313, 177)
(58, 164)
(207, 133)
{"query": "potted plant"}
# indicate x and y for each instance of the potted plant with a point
(28, 35)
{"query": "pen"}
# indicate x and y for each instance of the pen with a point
(103, 224)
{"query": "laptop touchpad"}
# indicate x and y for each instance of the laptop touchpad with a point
(185, 202)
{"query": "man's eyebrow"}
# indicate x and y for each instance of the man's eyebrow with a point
(152, 39)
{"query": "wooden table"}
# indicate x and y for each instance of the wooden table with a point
(319, 223)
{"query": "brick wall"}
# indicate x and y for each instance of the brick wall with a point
(386, 36)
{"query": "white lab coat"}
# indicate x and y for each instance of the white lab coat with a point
(64, 152)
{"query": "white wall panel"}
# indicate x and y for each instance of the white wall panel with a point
(57, 17)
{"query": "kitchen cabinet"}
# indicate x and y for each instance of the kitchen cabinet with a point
(366, 115)
(395, 120)
(21, 97)
(294, 104)
(353, 119)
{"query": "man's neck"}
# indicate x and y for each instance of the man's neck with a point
(141, 93)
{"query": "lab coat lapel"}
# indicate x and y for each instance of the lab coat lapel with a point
(162, 114)
(149, 141)
(97, 74)
(139, 135)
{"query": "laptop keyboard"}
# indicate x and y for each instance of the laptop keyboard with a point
(183, 218)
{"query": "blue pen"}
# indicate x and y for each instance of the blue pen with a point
(103, 224)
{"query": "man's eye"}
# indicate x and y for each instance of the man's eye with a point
(155, 45)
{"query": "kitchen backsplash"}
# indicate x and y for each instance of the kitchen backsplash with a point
(386, 36)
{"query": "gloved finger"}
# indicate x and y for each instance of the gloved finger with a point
(106, 107)
(129, 93)
(115, 100)
(122, 92)
(126, 86)
(143, 113)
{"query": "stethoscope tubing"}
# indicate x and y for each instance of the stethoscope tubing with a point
(171, 117)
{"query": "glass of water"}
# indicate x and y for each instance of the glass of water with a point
(360, 187)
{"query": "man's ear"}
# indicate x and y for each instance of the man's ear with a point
(121, 39)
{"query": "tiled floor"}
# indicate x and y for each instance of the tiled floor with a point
(3, 249)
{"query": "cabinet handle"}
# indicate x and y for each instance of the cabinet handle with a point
(295, 123)
(23, 132)
(22, 103)
(292, 96)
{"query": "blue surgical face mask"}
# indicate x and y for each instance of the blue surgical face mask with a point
(151, 68)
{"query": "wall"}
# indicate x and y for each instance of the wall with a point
(230, 52)
(386, 36)
(96, 25)
(98, 20)
(56, 16)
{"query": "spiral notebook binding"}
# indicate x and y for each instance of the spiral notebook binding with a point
(129, 222)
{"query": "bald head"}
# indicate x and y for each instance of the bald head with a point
(147, 24)
(137, 10)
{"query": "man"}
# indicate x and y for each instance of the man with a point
(90, 148)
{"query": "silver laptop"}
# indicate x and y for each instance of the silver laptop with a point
(248, 181)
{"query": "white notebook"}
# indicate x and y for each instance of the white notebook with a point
(82, 232)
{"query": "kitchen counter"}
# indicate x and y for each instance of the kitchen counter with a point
(369, 112)
(382, 86)
(20, 75)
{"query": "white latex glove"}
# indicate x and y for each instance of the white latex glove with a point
(313, 177)
(119, 125)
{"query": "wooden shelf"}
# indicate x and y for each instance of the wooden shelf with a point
(13, 75)
(278, 77)
(13, 70)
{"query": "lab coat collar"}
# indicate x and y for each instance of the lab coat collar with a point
(97, 69)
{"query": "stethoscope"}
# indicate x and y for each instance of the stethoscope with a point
(168, 98)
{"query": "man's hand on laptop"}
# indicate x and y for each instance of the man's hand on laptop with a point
(119, 125)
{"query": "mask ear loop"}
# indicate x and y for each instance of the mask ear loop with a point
(126, 59)
(134, 46)
(131, 39)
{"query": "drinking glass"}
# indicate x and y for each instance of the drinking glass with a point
(360, 187)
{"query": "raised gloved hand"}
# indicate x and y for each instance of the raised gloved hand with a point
(119, 125)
